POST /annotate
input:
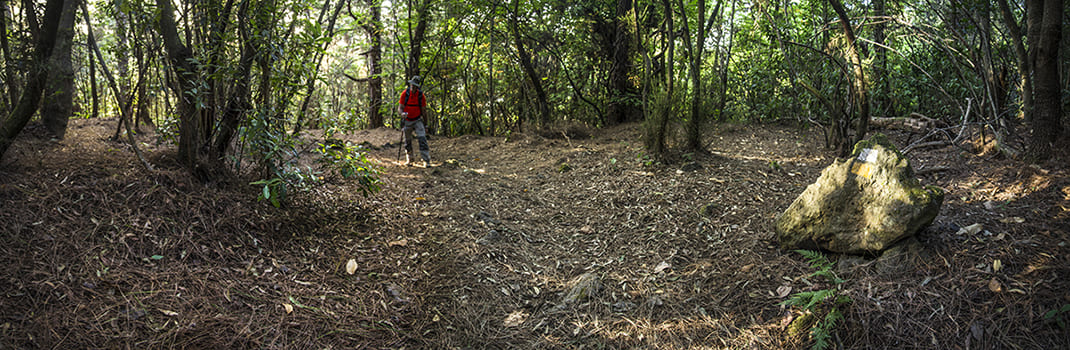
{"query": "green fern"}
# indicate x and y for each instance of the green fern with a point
(825, 301)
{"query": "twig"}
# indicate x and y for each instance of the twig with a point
(954, 142)
(969, 104)
(935, 169)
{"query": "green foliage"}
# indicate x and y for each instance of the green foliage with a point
(826, 304)
(276, 153)
(646, 160)
(349, 162)
(1058, 315)
(273, 190)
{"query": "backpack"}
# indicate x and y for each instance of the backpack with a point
(420, 99)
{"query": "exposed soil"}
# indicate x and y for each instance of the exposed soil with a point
(479, 250)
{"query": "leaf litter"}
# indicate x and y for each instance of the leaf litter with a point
(685, 259)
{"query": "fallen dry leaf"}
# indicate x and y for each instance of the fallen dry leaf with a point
(399, 243)
(516, 318)
(994, 285)
(997, 265)
(1012, 220)
(351, 266)
(972, 229)
(662, 267)
(783, 291)
(289, 308)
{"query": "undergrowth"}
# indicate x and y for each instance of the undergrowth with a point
(823, 308)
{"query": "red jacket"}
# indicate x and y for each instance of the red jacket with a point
(413, 103)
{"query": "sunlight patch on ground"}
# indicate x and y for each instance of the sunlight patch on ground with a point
(700, 332)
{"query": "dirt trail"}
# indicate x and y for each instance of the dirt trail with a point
(478, 251)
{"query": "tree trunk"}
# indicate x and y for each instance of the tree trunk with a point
(696, 122)
(59, 104)
(1047, 124)
(125, 117)
(859, 84)
(29, 9)
(190, 130)
(12, 95)
(621, 107)
(722, 95)
(122, 53)
(311, 86)
(884, 105)
(416, 39)
(93, 84)
(239, 101)
(1025, 68)
(663, 109)
(1033, 17)
(529, 69)
(375, 58)
(30, 99)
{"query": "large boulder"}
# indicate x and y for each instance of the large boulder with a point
(861, 205)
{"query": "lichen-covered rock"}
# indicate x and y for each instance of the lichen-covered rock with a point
(860, 205)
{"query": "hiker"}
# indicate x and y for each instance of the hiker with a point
(411, 107)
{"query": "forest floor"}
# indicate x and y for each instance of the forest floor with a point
(480, 250)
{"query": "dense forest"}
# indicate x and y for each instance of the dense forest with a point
(226, 173)
(235, 78)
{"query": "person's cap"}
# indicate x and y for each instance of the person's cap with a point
(415, 80)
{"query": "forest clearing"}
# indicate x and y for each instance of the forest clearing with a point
(101, 253)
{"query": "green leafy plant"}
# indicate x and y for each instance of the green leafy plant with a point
(773, 164)
(823, 308)
(350, 162)
(645, 159)
(1058, 315)
(274, 190)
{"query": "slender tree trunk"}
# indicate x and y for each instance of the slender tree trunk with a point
(29, 9)
(722, 94)
(416, 38)
(115, 89)
(883, 93)
(94, 97)
(859, 84)
(1025, 68)
(696, 122)
(1033, 18)
(492, 98)
(311, 85)
(29, 101)
(526, 65)
(239, 102)
(375, 58)
(664, 105)
(987, 69)
(122, 53)
(216, 78)
(1047, 123)
(12, 95)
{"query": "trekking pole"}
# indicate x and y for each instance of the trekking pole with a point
(401, 143)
